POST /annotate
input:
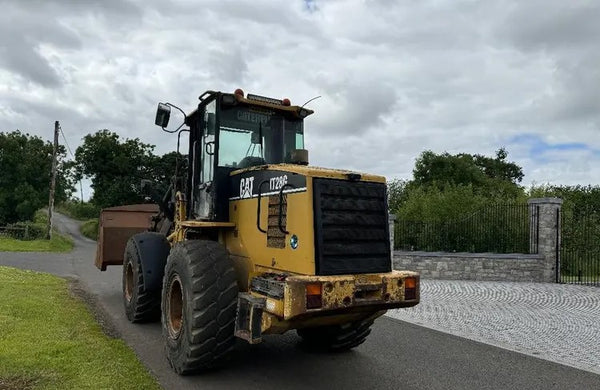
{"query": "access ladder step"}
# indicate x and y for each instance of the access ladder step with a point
(248, 321)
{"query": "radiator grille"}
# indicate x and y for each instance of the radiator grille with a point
(351, 227)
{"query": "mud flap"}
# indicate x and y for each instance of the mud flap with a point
(249, 318)
(154, 250)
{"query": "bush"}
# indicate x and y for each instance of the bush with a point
(90, 229)
(433, 204)
(24, 231)
(80, 211)
(41, 217)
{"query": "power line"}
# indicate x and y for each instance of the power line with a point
(71, 153)
(66, 143)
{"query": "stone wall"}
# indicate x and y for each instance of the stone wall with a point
(473, 266)
(533, 267)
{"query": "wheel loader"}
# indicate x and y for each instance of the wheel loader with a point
(251, 240)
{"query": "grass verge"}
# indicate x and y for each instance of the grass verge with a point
(49, 340)
(90, 229)
(58, 243)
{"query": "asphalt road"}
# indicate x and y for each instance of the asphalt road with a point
(397, 355)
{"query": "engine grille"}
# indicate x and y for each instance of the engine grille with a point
(351, 227)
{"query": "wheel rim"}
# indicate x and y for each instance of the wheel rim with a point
(128, 282)
(175, 309)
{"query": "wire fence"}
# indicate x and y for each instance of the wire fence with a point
(500, 228)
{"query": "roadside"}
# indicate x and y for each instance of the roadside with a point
(50, 340)
(29, 236)
(556, 322)
(58, 243)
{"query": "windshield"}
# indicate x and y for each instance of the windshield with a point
(254, 136)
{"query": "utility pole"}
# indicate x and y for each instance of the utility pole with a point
(53, 180)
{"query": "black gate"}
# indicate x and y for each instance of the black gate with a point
(579, 261)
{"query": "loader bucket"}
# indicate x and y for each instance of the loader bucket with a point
(116, 226)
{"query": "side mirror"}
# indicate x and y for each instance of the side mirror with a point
(163, 113)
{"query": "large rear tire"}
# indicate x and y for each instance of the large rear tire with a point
(199, 302)
(337, 338)
(140, 305)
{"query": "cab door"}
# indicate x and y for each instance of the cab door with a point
(204, 154)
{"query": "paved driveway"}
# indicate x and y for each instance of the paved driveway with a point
(397, 355)
(560, 323)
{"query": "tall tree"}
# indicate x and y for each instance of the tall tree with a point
(115, 166)
(25, 163)
(495, 177)
(499, 167)
(165, 167)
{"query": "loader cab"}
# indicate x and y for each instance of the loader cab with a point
(230, 132)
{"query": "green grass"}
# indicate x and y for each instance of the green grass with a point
(90, 229)
(50, 340)
(58, 243)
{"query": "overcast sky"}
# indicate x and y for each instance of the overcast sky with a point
(396, 77)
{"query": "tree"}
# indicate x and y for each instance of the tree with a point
(492, 177)
(445, 169)
(397, 194)
(25, 163)
(446, 186)
(164, 168)
(499, 168)
(116, 167)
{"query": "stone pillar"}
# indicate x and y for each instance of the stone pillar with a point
(544, 217)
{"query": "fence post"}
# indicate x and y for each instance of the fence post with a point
(545, 234)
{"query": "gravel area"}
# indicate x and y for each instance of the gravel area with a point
(560, 323)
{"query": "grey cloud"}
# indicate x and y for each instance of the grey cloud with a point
(548, 25)
(228, 65)
(69, 7)
(20, 39)
(354, 106)
(23, 32)
(29, 64)
(565, 35)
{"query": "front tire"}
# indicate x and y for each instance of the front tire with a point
(199, 304)
(337, 338)
(140, 305)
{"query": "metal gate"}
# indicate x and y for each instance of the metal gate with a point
(579, 260)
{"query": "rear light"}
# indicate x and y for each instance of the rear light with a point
(410, 288)
(239, 92)
(313, 296)
(286, 102)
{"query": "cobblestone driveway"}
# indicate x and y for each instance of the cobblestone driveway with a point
(556, 322)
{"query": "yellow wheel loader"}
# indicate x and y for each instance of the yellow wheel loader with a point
(252, 240)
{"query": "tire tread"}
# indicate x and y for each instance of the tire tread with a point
(214, 290)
